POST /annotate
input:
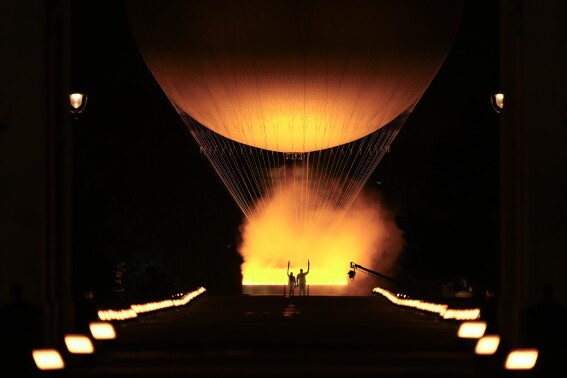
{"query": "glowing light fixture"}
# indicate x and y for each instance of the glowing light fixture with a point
(117, 314)
(253, 275)
(78, 102)
(497, 101)
(102, 330)
(487, 344)
(438, 308)
(135, 309)
(462, 314)
(521, 359)
(472, 329)
(79, 344)
(48, 359)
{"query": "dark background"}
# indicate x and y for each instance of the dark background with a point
(145, 196)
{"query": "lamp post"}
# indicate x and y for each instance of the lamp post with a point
(77, 105)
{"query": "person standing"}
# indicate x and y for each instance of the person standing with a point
(291, 283)
(302, 281)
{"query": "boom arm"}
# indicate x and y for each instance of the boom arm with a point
(354, 267)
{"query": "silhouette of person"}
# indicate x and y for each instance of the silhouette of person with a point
(291, 283)
(302, 281)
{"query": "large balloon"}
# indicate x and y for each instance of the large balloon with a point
(294, 75)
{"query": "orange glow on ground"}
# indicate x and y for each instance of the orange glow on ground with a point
(273, 276)
(329, 237)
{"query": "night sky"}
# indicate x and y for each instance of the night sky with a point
(145, 195)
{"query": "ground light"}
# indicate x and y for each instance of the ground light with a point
(521, 359)
(135, 309)
(102, 330)
(472, 329)
(48, 359)
(79, 344)
(441, 309)
(487, 344)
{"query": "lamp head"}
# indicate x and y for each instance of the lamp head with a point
(77, 102)
(497, 101)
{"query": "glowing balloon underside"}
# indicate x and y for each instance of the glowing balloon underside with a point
(294, 76)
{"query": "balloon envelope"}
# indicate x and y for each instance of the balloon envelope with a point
(296, 75)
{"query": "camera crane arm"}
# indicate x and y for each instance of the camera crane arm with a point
(354, 267)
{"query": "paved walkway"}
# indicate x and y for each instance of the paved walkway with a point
(275, 336)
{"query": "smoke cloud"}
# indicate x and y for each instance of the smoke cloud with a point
(300, 222)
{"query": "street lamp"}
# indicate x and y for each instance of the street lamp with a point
(497, 101)
(78, 102)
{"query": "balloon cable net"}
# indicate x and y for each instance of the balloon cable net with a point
(323, 183)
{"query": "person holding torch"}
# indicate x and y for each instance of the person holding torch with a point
(301, 280)
(291, 282)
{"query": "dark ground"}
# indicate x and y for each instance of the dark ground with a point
(275, 336)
